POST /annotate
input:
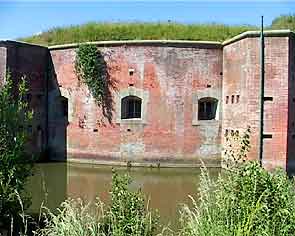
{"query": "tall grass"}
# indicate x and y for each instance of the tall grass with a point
(246, 200)
(126, 215)
(130, 31)
(95, 31)
(284, 22)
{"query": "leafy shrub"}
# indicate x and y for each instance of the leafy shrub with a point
(246, 200)
(15, 164)
(91, 68)
(126, 215)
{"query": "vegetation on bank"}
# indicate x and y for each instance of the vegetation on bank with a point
(246, 200)
(127, 214)
(94, 31)
(15, 163)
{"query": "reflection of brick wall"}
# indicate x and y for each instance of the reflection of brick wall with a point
(169, 77)
(241, 77)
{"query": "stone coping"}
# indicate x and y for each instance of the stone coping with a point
(20, 43)
(181, 43)
(171, 43)
(255, 34)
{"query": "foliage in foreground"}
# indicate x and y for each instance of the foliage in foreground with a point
(127, 215)
(15, 164)
(246, 200)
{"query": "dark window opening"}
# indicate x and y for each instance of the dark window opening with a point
(64, 104)
(226, 99)
(207, 109)
(226, 133)
(232, 99)
(131, 72)
(131, 107)
(238, 99)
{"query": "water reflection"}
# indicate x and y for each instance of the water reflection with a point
(166, 188)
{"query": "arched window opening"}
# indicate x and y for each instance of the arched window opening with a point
(131, 107)
(207, 108)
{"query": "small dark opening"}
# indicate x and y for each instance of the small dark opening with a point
(208, 85)
(131, 107)
(95, 130)
(64, 103)
(227, 99)
(207, 109)
(129, 130)
(238, 99)
(226, 133)
(232, 99)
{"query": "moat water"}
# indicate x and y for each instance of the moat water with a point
(166, 188)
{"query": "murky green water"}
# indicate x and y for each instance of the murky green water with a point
(166, 188)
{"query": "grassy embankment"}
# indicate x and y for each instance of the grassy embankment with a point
(129, 31)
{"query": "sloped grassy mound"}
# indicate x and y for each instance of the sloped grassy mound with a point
(135, 31)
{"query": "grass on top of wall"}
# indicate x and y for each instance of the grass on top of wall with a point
(136, 31)
(95, 31)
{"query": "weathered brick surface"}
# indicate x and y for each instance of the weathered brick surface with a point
(2, 63)
(241, 70)
(24, 60)
(170, 79)
(171, 76)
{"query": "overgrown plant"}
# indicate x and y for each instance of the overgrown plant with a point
(15, 163)
(92, 70)
(236, 148)
(126, 215)
(245, 201)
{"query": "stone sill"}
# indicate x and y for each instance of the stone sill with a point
(205, 122)
(131, 121)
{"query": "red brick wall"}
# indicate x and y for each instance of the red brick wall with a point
(241, 72)
(171, 76)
